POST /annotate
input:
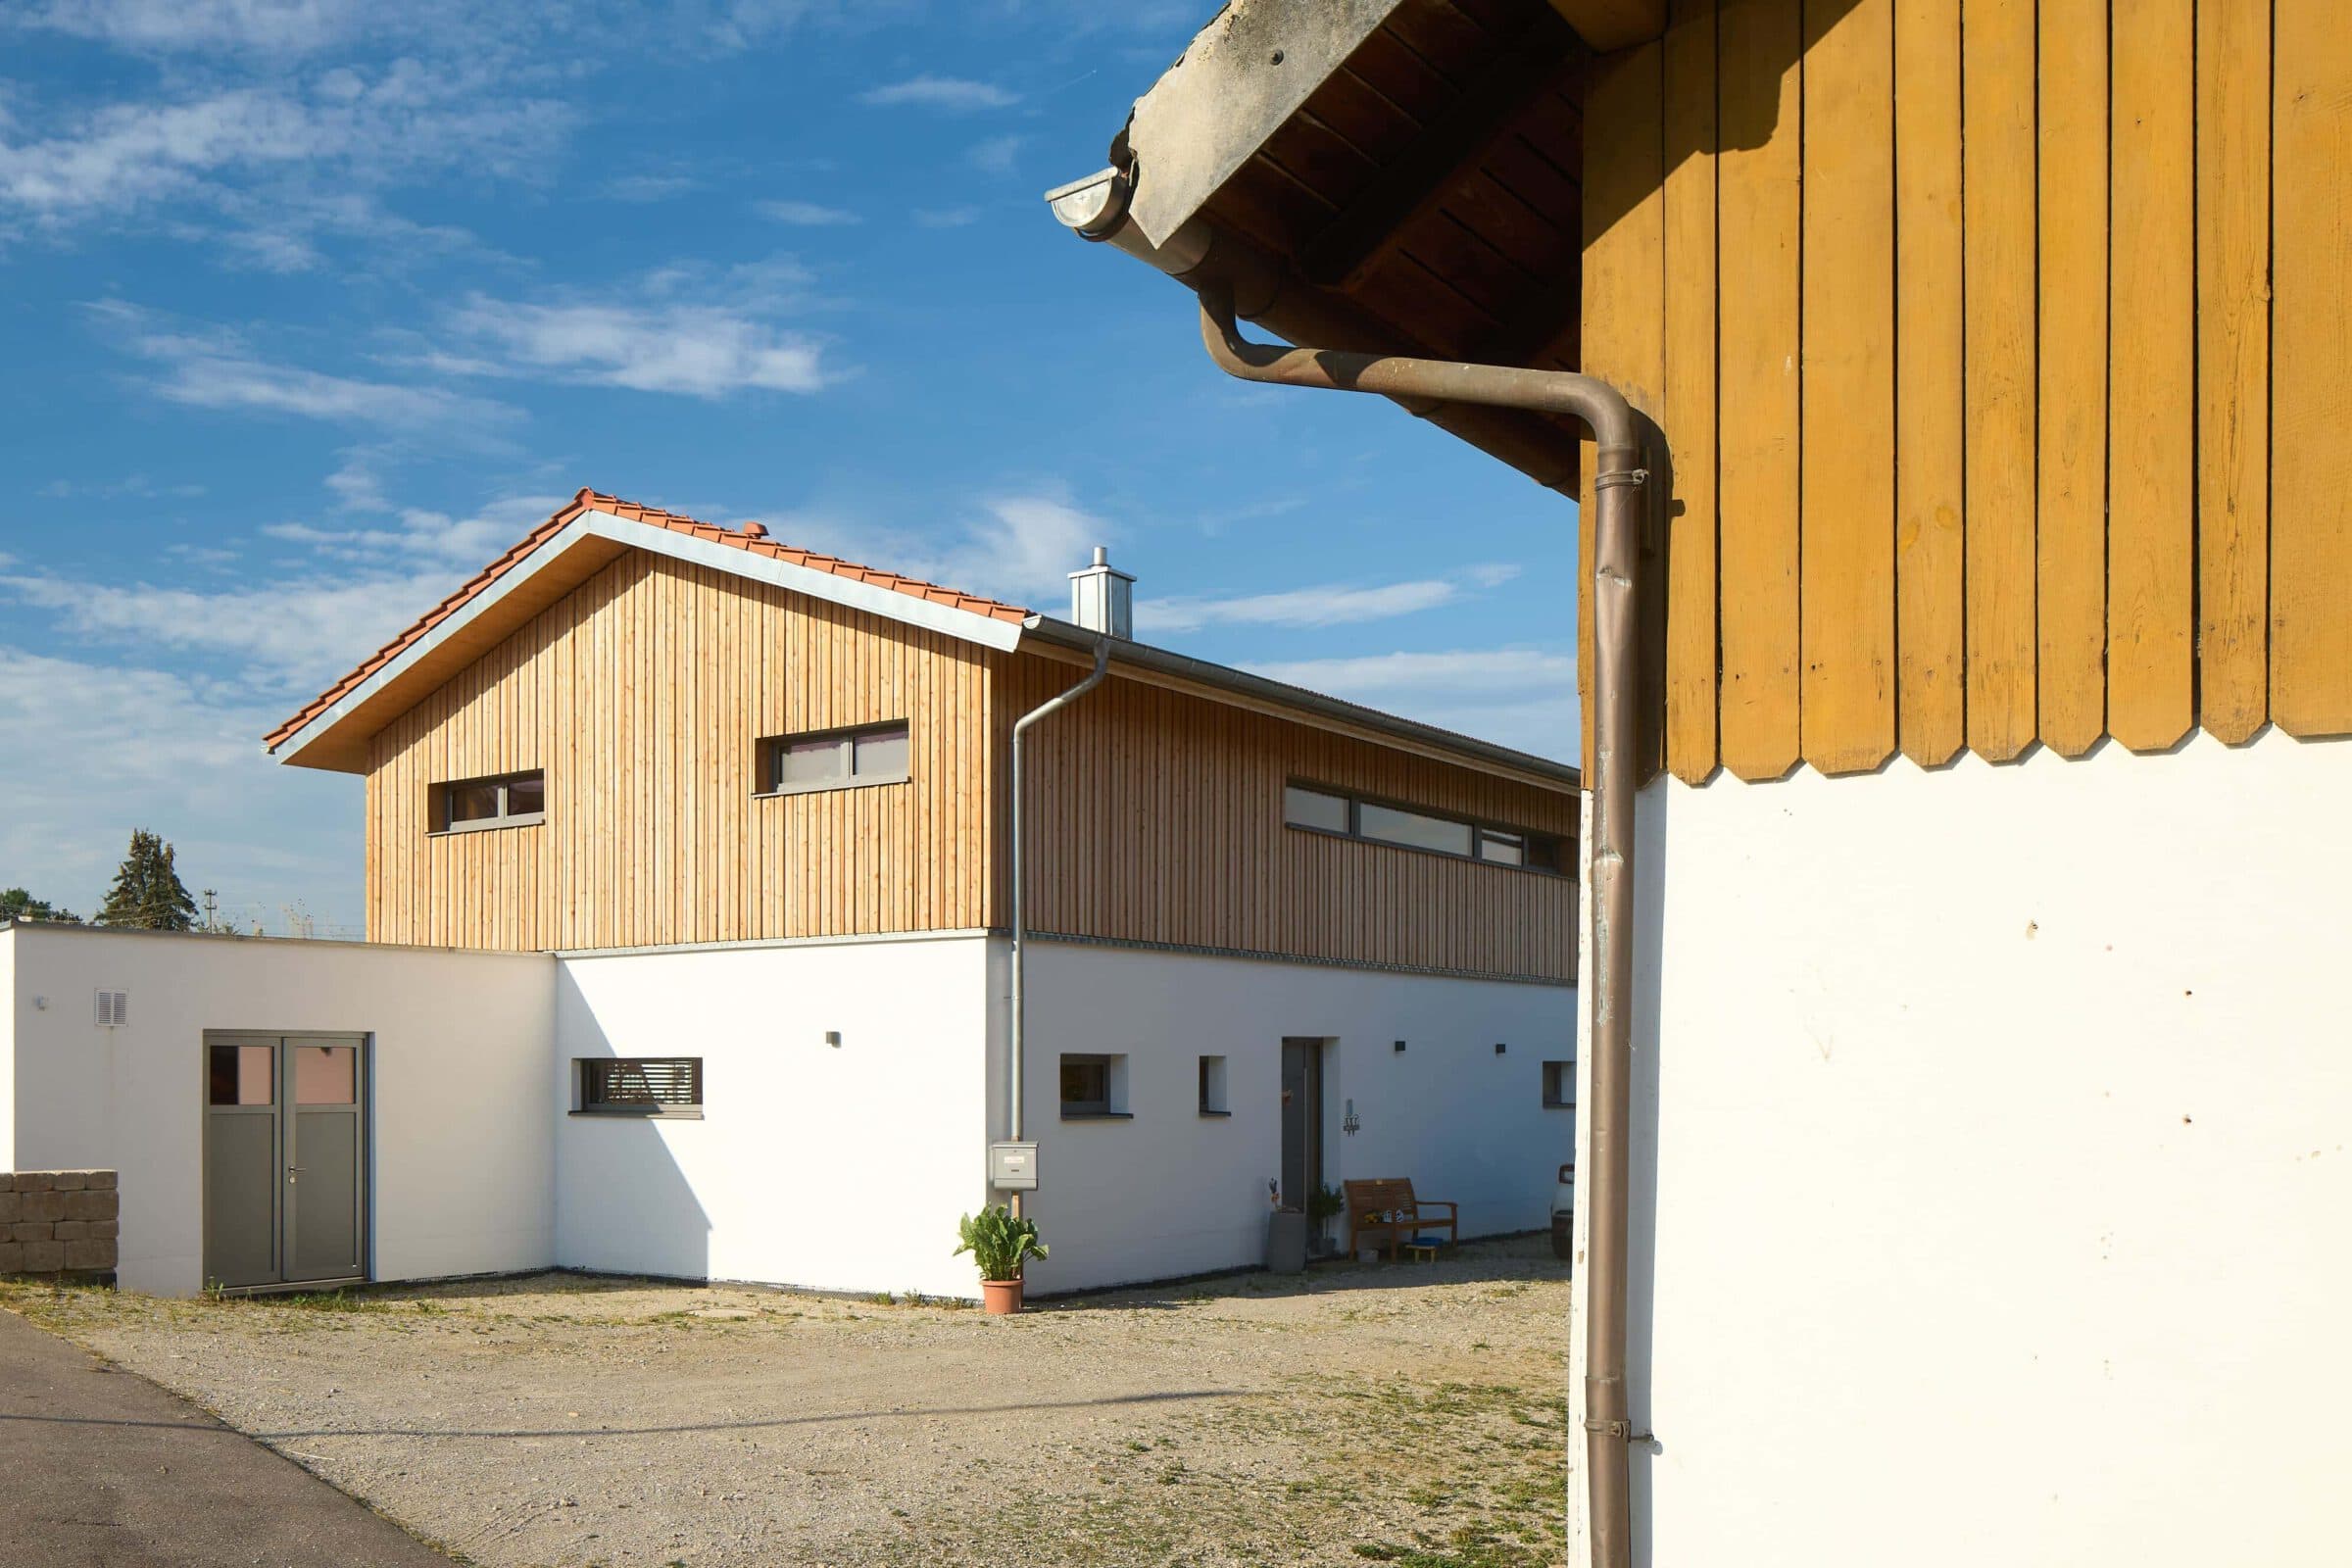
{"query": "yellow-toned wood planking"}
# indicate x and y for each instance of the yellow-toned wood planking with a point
(2311, 371)
(1847, 552)
(1759, 99)
(1691, 395)
(1997, 145)
(2071, 537)
(1930, 431)
(2151, 560)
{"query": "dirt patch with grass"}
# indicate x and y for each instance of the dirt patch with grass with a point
(1410, 1414)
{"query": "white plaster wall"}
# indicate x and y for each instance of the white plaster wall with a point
(1171, 1191)
(1992, 1157)
(835, 1168)
(460, 1161)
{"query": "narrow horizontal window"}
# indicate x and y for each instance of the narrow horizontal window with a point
(834, 759)
(1322, 810)
(511, 799)
(639, 1085)
(1306, 808)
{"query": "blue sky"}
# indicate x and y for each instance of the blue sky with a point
(311, 307)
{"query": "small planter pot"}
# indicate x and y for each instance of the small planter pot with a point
(1000, 1297)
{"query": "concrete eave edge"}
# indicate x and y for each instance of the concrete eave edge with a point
(888, 603)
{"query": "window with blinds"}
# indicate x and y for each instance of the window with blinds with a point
(639, 1085)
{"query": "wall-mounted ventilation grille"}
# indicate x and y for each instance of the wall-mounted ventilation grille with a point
(114, 1009)
(646, 1086)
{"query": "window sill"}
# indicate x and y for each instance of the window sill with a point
(1098, 1115)
(1206, 1111)
(637, 1116)
(1559, 1104)
(486, 825)
(828, 786)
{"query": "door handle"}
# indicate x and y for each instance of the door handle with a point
(290, 1170)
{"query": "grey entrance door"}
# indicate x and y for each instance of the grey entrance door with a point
(285, 1151)
(1302, 1121)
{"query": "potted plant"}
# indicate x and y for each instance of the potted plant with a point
(1000, 1243)
(1323, 1205)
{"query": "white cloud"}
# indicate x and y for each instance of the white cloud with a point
(1331, 605)
(683, 329)
(946, 217)
(957, 94)
(271, 25)
(648, 187)
(995, 156)
(805, 214)
(213, 368)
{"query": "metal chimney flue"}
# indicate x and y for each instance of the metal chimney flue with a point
(1103, 596)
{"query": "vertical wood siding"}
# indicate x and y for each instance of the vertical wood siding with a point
(644, 694)
(2010, 405)
(1157, 815)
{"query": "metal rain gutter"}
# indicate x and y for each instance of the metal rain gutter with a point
(1619, 487)
(1219, 269)
(1017, 1035)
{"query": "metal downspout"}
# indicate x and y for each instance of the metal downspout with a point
(1017, 1040)
(1619, 484)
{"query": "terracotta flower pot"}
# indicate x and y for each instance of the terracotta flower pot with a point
(1000, 1297)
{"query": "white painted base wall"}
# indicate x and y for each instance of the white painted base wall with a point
(1171, 1191)
(461, 1172)
(832, 1167)
(1992, 1160)
(829, 1167)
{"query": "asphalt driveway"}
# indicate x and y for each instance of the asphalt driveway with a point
(99, 1468)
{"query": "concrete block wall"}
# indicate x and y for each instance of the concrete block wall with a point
(59, 1221)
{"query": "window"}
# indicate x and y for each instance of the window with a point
(1092, 1086)
(511, 800)
(1321, 811)
(1306, 808)
(1560, 1085)
(639, 1085)
(837, 760)
(1212, 1087)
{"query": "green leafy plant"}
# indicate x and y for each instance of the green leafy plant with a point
(999, 1243)
(1325, 1204)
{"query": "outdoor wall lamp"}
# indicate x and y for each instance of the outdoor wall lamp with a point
(1348, 1123)
(833, 1038)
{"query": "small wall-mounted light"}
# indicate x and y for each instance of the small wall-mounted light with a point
(1400, 1046)
(833, 1038)
(1348, 1123)
(41, 1004)
(1499, 1047)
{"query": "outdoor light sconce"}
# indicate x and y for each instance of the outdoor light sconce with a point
(1401, 1048)
(1348, 1123)
(833, 1038)
(1499, 1047)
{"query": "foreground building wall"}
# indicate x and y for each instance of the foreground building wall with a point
(1166, 1191)
(835, 1167)
(459, 1168)
(2022, 1090)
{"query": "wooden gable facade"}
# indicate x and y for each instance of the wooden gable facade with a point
(1157, 807)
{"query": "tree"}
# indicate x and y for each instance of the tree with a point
(147, 894)
(18, 904)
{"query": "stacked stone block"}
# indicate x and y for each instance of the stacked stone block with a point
(59, 1221)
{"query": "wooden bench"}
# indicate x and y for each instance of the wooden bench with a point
(1386, 1210)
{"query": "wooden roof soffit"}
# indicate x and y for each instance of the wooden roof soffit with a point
(1257, 62)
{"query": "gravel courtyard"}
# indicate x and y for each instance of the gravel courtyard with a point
(1403, 1413)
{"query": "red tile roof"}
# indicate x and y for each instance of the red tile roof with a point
(751, 537)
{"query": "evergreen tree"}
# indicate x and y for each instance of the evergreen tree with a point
(18, 904)
(147, 894)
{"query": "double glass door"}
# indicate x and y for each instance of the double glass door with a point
(284, 1159)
